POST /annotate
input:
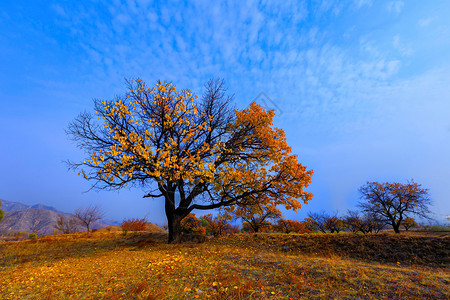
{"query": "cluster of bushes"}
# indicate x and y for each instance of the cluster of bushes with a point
(218, 225)
(207, 224)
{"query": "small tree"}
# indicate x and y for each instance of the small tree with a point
(353, 221)
(409, 223)
(258, 216)
(66, 225)
(393, 202)
(87, 216)
(371, 223)
(316, 221)
(334, 224)
(288, 226)
(216, 225)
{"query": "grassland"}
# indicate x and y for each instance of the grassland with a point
(258, 266)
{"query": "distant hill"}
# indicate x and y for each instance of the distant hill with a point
(40, 217)
(29, 220)
(14, 206)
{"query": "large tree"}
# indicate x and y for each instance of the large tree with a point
(194, 153)
(393, 202)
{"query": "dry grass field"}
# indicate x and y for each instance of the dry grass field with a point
(108, 265)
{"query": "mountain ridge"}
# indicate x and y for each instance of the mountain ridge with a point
(39, 217)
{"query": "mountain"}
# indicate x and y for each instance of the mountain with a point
(40, 217)
(29, 220)
(12, 206)
(42, 206)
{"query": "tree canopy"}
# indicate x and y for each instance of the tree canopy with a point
(170, 143)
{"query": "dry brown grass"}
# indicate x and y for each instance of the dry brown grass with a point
(143, 266)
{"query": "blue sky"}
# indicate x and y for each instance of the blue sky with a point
(361, 88)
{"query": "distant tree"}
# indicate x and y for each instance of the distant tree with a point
(87, 216)
(288, 226)
(372, 223)
(2, 213)
(191, 224)
(66, 225)
(217, 225)
(334, 224)
(316, 221)
(409, 223)
(258, 216)
(393, 202)
(353, 221)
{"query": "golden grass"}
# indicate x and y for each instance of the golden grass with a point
(142, 266)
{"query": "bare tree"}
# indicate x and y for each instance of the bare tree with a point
(353, 221)
(87, 216)
(371, 222)
(66, 225)
(334, 224)
(316, 221)
(393, 202)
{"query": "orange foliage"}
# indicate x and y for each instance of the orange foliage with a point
(409, 223)
(217, 225)
(190, 224)
(134, 224)
(288, 226)
(210, 155)
(258, 216)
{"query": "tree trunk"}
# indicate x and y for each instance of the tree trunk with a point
(396, 227)
(174, 224)
(174, 217)
(173, 221)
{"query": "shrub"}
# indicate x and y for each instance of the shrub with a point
(33, 235)
(216, 226)
(133, 225)
(190, 224)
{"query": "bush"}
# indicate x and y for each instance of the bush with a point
(133, 225)
(190, 224)
(33, 235)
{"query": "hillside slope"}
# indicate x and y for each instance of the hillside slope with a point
(36, 219)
